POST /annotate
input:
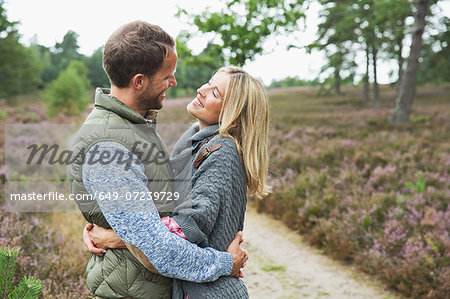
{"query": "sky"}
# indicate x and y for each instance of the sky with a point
(48, 21)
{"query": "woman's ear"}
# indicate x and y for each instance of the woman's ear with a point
(138, 81)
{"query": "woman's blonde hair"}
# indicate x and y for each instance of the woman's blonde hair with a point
(245, 119)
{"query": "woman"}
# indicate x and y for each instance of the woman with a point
(225, 155)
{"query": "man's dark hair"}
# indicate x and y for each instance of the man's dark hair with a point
(136, 47)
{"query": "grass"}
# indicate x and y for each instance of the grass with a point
(269, 268)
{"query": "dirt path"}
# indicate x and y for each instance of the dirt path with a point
(281, 265)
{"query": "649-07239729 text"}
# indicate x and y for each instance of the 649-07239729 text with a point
(58, 196)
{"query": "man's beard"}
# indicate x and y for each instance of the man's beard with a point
(146, 103)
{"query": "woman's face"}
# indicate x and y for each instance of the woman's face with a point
(208, 103)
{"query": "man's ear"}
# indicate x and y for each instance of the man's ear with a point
(138, 81)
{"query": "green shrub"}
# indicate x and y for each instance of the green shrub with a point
(68, 93)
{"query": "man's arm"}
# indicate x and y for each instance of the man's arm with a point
(138, 223)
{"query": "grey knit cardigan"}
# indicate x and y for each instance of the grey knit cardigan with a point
(216, 204)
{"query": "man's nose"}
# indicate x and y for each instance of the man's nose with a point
(173, 82)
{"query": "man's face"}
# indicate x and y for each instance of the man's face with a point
(159, 83)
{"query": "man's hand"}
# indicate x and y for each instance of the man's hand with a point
(105, 238)
(240, 255)
(88, 242)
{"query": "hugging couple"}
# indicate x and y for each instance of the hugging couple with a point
(186, 248)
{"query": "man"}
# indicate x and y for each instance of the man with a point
(125, 157)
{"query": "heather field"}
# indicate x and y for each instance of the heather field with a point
(363, 190)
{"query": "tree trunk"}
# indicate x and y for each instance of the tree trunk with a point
(408, 87)
(366, 77)
(400, 60)
(376, 88)
(337, 81)
(400, 72)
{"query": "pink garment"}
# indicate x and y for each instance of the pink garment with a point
(173, 226)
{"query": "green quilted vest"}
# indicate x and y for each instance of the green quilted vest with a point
(118, 274)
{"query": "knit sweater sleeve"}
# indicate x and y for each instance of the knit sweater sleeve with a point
(137, 222)
(213, 181)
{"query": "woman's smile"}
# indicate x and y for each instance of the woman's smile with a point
(197, 102)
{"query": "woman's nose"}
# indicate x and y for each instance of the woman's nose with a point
(201, 91)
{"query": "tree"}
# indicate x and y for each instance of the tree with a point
(393, 20)
(335, 37)
(194, 70)
(67, 94)
(96, 73)
(67, 50)
(56, 59)
(18, 70)
(435, 66)
(369, 31)
(366, 91)
(373, 27)
(50, 70)
(242, 26)
(408, 85)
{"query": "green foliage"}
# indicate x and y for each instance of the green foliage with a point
(392, 20)
(97, 74)
(293, 81)
(242, 26)
(419, 186)
(67, 50)
(68, 93)
(193, 70)
(420, 119)
(56, 59)
(435, 66)
(335, 36)
(50, 70)
(7, 269)
(18, 70)
(28, 287)
(348, 27)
